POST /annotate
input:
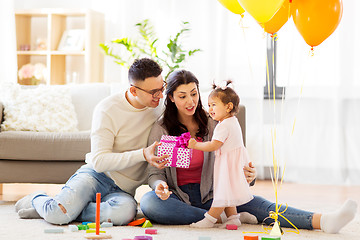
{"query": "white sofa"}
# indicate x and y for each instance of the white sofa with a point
(52, 157)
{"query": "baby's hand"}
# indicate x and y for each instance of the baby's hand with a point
(192, 143)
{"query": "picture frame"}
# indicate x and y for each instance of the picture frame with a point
(72, 40)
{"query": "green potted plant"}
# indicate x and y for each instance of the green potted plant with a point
(170, 58)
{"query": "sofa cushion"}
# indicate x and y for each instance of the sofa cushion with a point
(41, 109)
(24, 145)
(85, 97)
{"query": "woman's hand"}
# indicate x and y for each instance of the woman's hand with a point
(162, 191)
(250, 172)
(150, 157)
(192, 142)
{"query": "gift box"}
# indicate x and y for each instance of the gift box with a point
(176, 148)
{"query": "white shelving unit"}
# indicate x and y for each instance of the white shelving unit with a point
(50, 24)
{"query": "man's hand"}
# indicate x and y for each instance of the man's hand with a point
(192, 142)
(162, 191)
(250, 172)
(149, 154)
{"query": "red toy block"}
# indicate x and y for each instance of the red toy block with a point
(251, 238)
(150, 231)
(231, 227)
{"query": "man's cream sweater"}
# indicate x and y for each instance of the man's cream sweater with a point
(119, 133)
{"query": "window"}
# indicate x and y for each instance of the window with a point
(271, 88)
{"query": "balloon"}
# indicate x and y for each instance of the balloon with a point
(261, 10)
(279, 19)
(316, 20)
(233, 6)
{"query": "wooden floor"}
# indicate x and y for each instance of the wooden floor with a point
(292, 194)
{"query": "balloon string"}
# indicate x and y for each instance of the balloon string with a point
(246, 49)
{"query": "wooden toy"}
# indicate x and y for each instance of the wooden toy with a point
(97, 216)
(147, 224)
(270, 238)
(73, 228)
(143, 238)
(94, 231)
(82, 227)
(231, 227)
(251, 237)
(97, 234)
(276, 230)
(150, 231)
(54, 230)
(92, 225)
(137, 222)
(106, 224)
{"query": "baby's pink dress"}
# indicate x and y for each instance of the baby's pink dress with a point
(230, 185)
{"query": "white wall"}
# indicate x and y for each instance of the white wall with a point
(322, 90)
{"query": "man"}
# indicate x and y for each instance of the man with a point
(117, 163)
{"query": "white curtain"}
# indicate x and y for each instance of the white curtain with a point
(324, 145)
(8, 60)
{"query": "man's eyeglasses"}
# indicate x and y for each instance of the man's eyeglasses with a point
(155, 92)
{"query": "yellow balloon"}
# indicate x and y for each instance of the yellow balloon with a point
(233, 6)
(261, 10)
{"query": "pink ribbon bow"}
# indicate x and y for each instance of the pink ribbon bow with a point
(182, 140)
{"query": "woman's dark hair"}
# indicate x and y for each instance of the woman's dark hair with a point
(143, 68)
(226, 95)
(170, 120)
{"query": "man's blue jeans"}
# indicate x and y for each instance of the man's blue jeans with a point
(173, 211)
(78, 197)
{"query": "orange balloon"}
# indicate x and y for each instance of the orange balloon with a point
(279, 19)
(316, 20)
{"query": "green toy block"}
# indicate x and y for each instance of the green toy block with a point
(270, 238)
(147, 224)
(83, 227)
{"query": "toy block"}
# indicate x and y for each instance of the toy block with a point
(92, 225)
(270, 238)
(106, 224)
(276, 230)
(137, 222)
(204, 238)
(73, 228)
(83, 227)
(251, 237)
(93, 231)
(231, 227)
(150, 231)
(143, 238)
(85, 223)
(147, 224)
(54, 230)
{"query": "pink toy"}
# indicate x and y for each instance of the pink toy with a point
(150, 231)
(231, 227)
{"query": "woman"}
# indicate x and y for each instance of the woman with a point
(183, 196)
